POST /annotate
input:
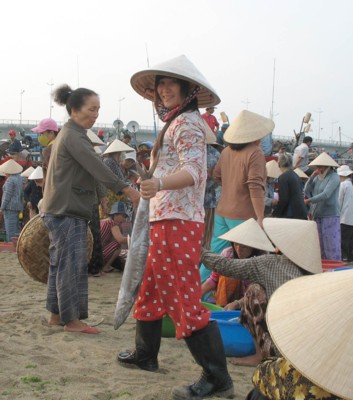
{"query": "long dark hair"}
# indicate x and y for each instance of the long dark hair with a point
(185, 89)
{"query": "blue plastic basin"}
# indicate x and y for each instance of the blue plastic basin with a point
(237, 339)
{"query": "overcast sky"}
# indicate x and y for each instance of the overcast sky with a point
(100, 44)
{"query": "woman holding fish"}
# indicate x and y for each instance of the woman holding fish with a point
(171, 283)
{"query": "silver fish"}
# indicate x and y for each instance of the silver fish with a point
(136, 257)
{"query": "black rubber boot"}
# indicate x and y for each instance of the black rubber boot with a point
(206, 346)
(148, 341)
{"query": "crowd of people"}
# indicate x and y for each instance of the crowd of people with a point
(225, 226)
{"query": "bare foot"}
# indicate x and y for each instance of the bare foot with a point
(54, 319)
(248, 361)
(79, 327)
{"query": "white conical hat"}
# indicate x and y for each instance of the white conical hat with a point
(11, 167)
(311, 322)
(97, 150)
(248, 127)
(273, 170)
(27, 172)
(210, 136)
(297, 239)
(324, 160)
(37, 174)
(94, 138)
(301, 173)
(118, 146)
(249, 233)
(179, 67)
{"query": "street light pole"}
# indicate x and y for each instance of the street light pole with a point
(319, 111)
(21, 94)
(120, 100)
(332, 124)
(51, 83)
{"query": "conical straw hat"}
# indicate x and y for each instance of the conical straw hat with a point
(301, 173)
(11, 167)
(324, 160)
(94, 138)
(297, 239)
(180, 67)
(27, 172)
(249, 233)
(37, 174)
(310, 321)
(273, 170)
(210, 136)
(248, 127)
(118, 146)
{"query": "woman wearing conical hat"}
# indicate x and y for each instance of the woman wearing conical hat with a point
(171, 282)
(298, 243)
(314, 339)
(322, 191)
(242, 172)
(11, 202)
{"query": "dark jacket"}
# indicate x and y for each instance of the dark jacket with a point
(73, 172)
(291, 198)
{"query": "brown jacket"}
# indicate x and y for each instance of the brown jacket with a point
(73, 172)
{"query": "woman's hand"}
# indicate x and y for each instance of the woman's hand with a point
(133, 194)
(149, 188)
(234, 305)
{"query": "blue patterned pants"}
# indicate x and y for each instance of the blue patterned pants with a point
(68, 276)
(12, 224)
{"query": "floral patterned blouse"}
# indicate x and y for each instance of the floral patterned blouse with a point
(276, 379)
(184, 148)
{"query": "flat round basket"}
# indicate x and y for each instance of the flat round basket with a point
(33, 249)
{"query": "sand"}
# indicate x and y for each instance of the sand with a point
(39, 362)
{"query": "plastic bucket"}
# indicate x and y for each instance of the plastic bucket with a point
(328, 265)
(237, 339)
(168, 328)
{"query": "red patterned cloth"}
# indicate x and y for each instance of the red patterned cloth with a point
(171, 283)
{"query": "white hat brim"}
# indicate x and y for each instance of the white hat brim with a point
(273, 170)
(11, 167)
(296, 239)
(248, 127)
(310, 321)
(180, 67)
(117, 146)
(36, 174)
(94, 138)
(249, 233)
(324, 160)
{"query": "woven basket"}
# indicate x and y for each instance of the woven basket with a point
(33, 249)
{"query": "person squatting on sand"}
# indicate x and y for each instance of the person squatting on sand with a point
(298, 242)
(310, 322)
(171, 283)
(69, 195)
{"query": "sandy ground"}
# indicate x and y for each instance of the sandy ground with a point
(38, 362)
